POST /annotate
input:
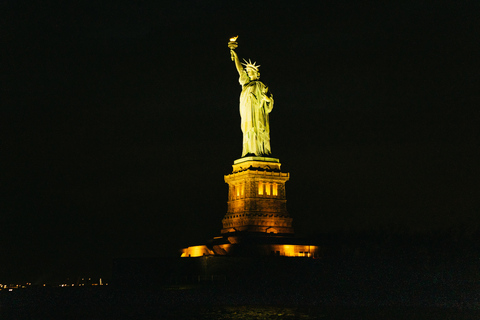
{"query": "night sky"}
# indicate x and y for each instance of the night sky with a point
(119, 120)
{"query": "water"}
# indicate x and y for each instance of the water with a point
(211, 304)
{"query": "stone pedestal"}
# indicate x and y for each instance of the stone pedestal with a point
(257, 222)
(257, 198)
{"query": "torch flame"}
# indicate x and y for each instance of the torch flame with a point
(234, 38)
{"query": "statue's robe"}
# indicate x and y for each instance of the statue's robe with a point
(254, 110)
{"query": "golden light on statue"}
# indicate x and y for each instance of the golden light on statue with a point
(233, 43)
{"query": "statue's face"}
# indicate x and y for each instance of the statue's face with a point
(252, 74)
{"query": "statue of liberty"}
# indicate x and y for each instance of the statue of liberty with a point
(255, 105)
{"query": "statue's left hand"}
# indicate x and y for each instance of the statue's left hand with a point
(265, 92)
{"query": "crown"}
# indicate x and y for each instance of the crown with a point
(249, 65)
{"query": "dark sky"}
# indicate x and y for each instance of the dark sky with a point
(119, 120)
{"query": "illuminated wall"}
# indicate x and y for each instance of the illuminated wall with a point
(281, 250)
(197, 251)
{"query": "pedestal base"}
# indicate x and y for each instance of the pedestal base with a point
(249, 244)
(257, 198)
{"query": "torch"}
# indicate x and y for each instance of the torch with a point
(232, 44)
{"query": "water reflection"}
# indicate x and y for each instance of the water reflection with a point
(257, 312)
(275, 312)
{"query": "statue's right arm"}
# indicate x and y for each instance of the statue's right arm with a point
(238, 65)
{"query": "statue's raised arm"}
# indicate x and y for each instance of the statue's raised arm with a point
(256, 102)
(235, 59)
(233, 45)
